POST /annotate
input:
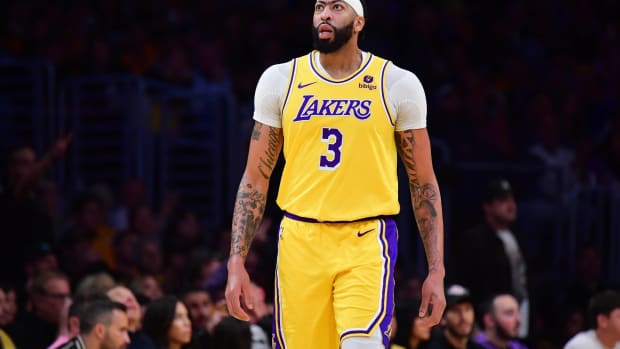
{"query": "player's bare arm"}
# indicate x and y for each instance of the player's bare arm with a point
(265, 147)
(414, 149)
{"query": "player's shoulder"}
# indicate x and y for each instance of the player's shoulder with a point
(278, 70)
(395, 73)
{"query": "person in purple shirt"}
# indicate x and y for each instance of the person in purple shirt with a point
(500, 320)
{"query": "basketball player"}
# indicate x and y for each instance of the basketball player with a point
(341, 115)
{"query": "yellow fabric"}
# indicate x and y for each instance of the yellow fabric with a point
(332, 282)
(338, 144)
(6, 341)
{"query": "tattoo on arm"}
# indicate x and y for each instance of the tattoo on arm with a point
(268, 160)
(250, 202)
(249, 209)
(424, 197)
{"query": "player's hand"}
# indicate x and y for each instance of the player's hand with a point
(433, 300)
(238, 289)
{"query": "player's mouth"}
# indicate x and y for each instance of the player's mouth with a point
(326, 31)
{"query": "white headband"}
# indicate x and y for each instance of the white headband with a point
(357, 6)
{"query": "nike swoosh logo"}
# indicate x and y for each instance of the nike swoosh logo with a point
(364, 233)
(300, 86)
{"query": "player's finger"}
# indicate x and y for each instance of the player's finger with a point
(233, 303)
(247, 296)
(423, 306)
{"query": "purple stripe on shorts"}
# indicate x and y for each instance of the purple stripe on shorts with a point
(389, 244)
(391, 234)
(277, 334)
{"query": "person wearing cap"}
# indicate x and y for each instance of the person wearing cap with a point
(604, 313)
(457, 323)
(341, 116)
(488, 258)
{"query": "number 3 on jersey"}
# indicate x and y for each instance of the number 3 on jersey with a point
(331, 160)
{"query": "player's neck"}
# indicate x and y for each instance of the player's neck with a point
(343, 62)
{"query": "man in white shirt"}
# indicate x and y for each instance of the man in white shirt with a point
(604, 312)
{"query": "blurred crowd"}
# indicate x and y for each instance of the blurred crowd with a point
(517, 81)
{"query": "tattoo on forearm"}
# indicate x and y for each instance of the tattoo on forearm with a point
(268, 160)
(249, 209)
(424, 198)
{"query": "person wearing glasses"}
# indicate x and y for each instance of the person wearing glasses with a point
(37, 327)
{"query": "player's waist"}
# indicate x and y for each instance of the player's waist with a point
(313, 220)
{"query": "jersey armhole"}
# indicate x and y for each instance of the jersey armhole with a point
(386, 105)
(290, 85)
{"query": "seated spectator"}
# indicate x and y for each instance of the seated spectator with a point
(103, 325)
(604, 316)
(8, 308)
(94, 286)
(5, 340)
(500, 322)
(231, 333)
(202, 314)
(88, 243)
(409, 333)
(146, 286)
(457, 323)
(69, 323)
(167, 323)
(47, 296)
(124, 295)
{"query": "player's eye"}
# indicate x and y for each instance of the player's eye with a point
(318, 8)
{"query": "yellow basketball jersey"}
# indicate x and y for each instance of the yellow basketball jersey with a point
(339, 144)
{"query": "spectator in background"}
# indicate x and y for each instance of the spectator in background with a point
(604, 316)
(124, 295)
(488, 258)
(202, 314)
(39, 258)
(409, 333)
(69, 326)
(183, 231)
(22, 216)
(146, 286)
(167, 323)
(133, 195)
(48, 294)
(94, 286)
(103, 325)
(5, 340)
(149, 258)
(457, 323)
(231, 333)
(588, 280)
(124, 254)
(88, 243)
(8, 305)
(500, 323)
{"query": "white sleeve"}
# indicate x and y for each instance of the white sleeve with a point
(269, 95)
(406, 97)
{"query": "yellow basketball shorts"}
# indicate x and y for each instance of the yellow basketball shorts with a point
(333, 281)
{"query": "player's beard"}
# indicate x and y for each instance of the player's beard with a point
(341, 37)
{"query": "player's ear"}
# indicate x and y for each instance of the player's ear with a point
(359, 24)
